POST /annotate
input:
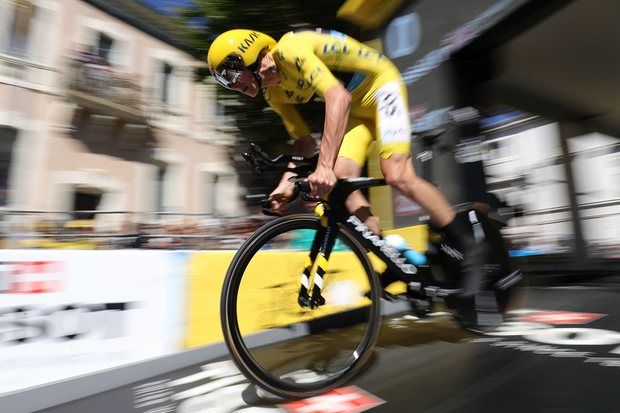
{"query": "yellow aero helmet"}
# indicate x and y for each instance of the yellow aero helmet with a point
(234, 51)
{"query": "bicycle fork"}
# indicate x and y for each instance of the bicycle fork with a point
(316, 264)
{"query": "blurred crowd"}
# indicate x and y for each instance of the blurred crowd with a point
(197, 233)
(166, 233)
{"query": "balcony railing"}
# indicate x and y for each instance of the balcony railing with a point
(103, 89)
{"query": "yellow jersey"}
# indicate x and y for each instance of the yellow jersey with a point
(311, 62)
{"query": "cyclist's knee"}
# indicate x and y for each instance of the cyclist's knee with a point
(402, 179)
(394, 179)
(399, 173)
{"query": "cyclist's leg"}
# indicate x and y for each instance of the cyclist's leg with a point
(399, 173)
(351, 158)
(393, 135)
(393, 131)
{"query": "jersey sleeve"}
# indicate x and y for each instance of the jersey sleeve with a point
(311, 70)
(293, 122)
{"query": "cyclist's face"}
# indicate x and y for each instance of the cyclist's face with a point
(247, 84)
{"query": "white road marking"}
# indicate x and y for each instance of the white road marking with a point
(221, 364)
(151, 402)
(205, 388)
(224, 400)
(152, 383)
(208, 372)
(157, 395)
(163, 409)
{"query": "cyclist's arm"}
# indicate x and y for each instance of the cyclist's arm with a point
(337, 104)
(317, 76)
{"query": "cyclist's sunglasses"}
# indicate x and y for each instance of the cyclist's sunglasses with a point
(229, 71)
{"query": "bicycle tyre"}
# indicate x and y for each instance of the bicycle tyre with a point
(240, 353)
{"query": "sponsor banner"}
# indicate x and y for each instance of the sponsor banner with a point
(346, 400)
(30, 277)
(67, 313)
(268, 294)
(206, 275)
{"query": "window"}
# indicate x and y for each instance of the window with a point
(160, 179)
(23, 17)
(165, 83)
(104, 46)
(7, 140)
(212, 193)
(402, 37)
(86, 200)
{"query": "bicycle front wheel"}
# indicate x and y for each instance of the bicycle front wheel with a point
(287, 349)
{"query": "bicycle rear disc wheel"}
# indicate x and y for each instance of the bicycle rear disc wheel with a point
(288, 350)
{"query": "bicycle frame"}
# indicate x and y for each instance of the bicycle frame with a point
(325, 239)
(332, 212)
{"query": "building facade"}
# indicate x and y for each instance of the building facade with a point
(99, 110)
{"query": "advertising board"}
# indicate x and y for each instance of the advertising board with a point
(69, 313)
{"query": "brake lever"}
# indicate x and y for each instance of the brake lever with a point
(266, 204)
(304, 188)
(301, 183)
(308, 198)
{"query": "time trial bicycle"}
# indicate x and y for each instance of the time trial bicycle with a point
(301, 301)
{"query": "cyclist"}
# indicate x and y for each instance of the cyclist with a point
(365, 99)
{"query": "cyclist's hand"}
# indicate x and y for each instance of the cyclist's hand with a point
(323, 181)
(281, 196)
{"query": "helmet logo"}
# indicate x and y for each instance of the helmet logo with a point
(246, 43)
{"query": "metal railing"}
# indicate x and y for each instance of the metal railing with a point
(93, 75)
